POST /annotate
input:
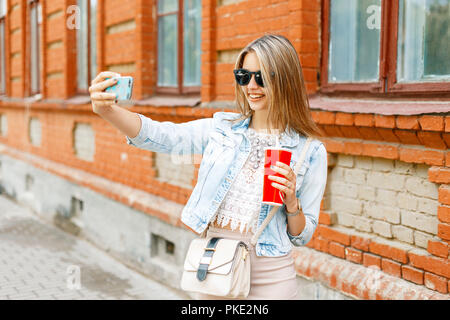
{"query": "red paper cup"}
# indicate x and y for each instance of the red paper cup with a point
(272, 195)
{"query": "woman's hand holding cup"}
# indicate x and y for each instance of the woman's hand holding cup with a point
(286, 185)
(102, 100)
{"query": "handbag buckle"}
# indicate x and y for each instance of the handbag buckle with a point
(205, 261)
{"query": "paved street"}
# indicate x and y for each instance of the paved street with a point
(39, 261)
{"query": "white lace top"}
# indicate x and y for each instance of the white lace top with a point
(242, 204)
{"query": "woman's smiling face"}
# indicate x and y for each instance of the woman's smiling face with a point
(256, 95)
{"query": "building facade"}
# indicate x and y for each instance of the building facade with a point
(378, 78)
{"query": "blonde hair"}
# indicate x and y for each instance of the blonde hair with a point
(283, 78)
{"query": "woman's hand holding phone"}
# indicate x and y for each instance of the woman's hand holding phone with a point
(102, 100)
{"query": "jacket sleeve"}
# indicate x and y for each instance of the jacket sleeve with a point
(174, 138)
(311, 194)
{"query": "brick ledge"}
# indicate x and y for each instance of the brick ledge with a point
(380, 106)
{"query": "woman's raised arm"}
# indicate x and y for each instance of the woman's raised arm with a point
(126, 121)
(142, 132)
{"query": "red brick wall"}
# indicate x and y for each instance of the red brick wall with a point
(225, 29)
(233, 26)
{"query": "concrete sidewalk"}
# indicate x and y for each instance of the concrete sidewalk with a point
(40, 261)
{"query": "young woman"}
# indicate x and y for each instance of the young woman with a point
(226, 201)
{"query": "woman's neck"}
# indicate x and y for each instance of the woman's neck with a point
(260, 122)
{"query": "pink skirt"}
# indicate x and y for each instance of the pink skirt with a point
(272, 278)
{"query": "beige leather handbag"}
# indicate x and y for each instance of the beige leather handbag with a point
(221, 267)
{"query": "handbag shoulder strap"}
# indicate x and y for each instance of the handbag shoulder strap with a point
(275, 208)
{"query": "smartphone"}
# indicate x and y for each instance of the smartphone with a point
(123, 88)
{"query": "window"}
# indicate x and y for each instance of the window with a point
(423, 52)
(86, 44)
(179, 37)
(354, 42)
(35, 34)
(2, 47)
(386, 46)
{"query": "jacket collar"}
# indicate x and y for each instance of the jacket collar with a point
(289, 138)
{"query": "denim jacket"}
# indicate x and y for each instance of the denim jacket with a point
(224, 148)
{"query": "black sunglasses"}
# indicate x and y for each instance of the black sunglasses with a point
(243, 77)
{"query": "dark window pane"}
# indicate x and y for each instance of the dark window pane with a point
(2, 8)
(354, 48)
(168, 50)
(423, 52)
(165, 6)
(93, 39)
(2, 56)
(35, 21)
(192, 38)
(82, 46)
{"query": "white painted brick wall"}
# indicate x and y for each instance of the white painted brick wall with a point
(177, 174)
(345, 219)
(403, 233)
(421, 239)
(3, 125)
(383, 165)
(363, 162)
(344, 160)
(422, 188)
(404, 167)
(84, 141)
(389, 181)
(348, 190)
(367, 193)
(382, 228)
(35, 131)
(342, 204)
(419, 221)
(363, 224)
(422, 171)
(337, 173)
(356, 176)
(227, 2)
(388, 198)
(382, 212)
(427, 206)
(407, 201)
